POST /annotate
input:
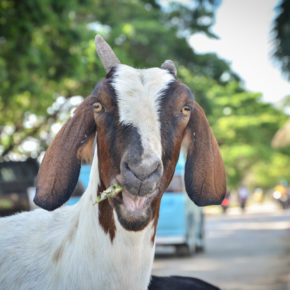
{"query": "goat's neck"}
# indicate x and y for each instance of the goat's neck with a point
(124, 262)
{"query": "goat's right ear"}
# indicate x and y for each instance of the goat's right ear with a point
(59, 170)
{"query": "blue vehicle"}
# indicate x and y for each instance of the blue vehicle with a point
(181, 222)
(84, 180)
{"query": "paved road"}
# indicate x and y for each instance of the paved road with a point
(243, 252)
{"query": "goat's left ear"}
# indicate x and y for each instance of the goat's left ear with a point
(59, 170)
(205, 178)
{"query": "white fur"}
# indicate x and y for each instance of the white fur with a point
(68, 249)
(138, 92)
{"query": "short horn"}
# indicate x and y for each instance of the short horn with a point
(170, 66)
(105, 53)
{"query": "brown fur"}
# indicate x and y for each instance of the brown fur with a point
(59, 170)
(85, 152)
(73, 231)
(59, 251)
(205, 176)
(106, 218)
(156, 209)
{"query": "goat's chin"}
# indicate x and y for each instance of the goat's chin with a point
(134, 212)
(133, 223)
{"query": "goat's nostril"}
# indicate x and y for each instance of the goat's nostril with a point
(155, 168)
(141, 177)
(132, 170)
(144, 171)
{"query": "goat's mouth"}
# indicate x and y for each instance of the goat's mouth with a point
(134, 212)
(134, 204)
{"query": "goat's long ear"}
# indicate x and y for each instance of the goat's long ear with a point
(59, 170)
(205, 178)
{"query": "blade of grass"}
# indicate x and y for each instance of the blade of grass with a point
(112, 190)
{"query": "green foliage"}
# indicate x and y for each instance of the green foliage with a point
(268, 173)
(197, 16)
(244, 127)
(282, 36)
(47, 50)
(47, 55)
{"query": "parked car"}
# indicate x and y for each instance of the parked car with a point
(15, 179)
(81, 185)
(181, 222)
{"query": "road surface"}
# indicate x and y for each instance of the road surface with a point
(248, 251)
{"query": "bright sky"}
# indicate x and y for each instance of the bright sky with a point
(244, 28)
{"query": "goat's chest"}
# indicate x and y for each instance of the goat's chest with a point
(128, 268)
(128, 261)
(124, 263)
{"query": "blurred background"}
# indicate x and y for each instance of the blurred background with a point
(235, 57)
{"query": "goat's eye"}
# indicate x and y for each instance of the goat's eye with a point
(186, 110)
(97, 107)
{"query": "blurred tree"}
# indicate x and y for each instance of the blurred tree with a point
(47, 50)
(42, 46)
(47, 55)
(244, 127)
(282, 36)
(282, 55)
(192, 17)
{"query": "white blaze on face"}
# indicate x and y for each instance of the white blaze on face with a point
(138, 93)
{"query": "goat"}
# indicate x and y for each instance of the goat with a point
(135, 121)
(179, 283)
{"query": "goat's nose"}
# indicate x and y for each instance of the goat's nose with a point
(141, 177)
(143, 170)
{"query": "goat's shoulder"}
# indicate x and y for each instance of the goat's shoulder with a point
(27, 232)
(27, 241)
(25, 222)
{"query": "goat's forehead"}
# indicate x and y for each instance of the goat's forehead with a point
(140, 83)
(139, 90)
(138, 93)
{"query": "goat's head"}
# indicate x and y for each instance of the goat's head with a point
(142, 119)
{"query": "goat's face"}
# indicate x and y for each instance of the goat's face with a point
(141, 116)
(141, 119)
